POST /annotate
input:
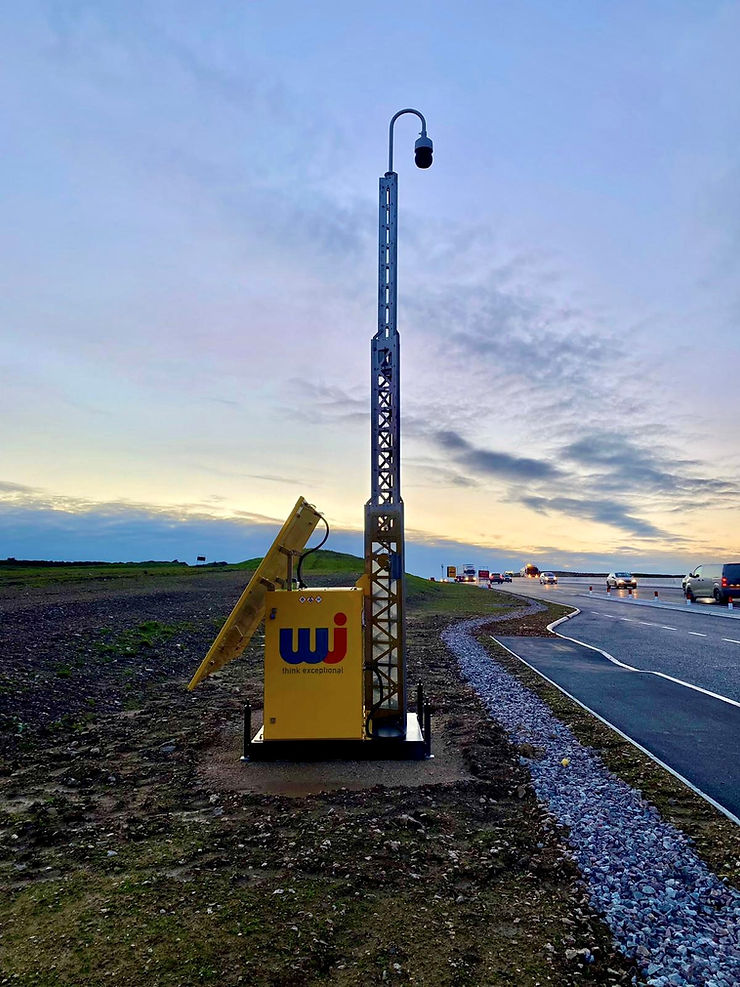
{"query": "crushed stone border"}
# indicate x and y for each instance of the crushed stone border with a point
(665, 908)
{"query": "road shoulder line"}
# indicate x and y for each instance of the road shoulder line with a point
(630, 668)
(708, 798)
(658, 605)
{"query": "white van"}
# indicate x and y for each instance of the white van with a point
(718, 580)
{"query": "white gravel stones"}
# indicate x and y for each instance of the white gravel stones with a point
(662, 903)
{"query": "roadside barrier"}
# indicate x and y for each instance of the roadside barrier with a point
(688, 601)
(729, 604)
(608, 589)
(590, 590)
(655, 594)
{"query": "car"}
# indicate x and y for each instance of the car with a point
(507, 577)
(495, 577)
(717, 580)
(621, 580)
(548, 577)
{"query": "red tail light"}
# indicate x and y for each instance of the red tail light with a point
(724, 581)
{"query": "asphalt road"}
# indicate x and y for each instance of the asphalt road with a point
(669, 590)
(693, 733)
(694, 649)
(698, 644)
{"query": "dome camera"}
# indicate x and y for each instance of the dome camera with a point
(423, 151)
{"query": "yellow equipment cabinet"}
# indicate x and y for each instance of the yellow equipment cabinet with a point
(314, 665)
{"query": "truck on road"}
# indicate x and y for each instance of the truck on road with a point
(529, 571)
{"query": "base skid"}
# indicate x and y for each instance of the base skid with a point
(414, 747)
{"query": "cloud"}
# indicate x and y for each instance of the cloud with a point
(625, 480)
(43, 525)
(617, 472)
(621, 464)
(127, 535)
(605, 512)
(501, 465)
(219, 138)
(329, 402)
(15, 489)
(430, 473)
(513, 319)
(37, 524)
(427, 555)
(269, 477)
(16, 497)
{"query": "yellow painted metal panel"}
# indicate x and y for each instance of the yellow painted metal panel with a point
(247, 615)
(314, 665)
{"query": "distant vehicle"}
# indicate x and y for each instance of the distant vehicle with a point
(495, 577)
(548, 577)
(529, 571)
(508, 577)
(718, 580)
(621, 580)
(468, 573)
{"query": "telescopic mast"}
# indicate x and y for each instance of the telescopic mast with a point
(385, 667)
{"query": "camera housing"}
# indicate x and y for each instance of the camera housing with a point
(423, 152)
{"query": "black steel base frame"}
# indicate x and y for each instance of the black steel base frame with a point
(415, 746)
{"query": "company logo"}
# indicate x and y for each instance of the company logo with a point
(320, 652)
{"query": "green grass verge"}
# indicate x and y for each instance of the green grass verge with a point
(65, 574)
(316, 564)
(321, 561)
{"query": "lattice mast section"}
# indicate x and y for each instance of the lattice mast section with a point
(385, 672)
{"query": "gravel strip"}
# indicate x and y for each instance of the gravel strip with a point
(665, 908)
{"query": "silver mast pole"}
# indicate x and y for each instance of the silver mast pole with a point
(385, 667)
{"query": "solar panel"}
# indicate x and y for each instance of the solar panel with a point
(272, 573)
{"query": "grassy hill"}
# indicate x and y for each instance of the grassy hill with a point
(343, 569)
(321, 561)
(341, 563)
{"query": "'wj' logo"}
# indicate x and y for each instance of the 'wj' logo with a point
(320, 653)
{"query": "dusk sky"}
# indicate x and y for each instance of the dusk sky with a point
(189, 277)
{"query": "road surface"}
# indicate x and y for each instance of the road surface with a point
(698, 644)
(673, 686)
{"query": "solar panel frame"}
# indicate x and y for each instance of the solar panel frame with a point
(272, 573)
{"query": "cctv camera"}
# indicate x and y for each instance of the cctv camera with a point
(423, 149)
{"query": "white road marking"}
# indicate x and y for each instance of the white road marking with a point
(697, 634)
(731, 640)
(628, 619)
(631, 668)
(621, 733)
(665, 627)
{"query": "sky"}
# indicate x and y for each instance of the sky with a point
(188, 258)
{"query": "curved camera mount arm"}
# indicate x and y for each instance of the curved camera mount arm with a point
(427, 142)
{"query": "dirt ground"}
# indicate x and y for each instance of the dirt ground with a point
(135, 845)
